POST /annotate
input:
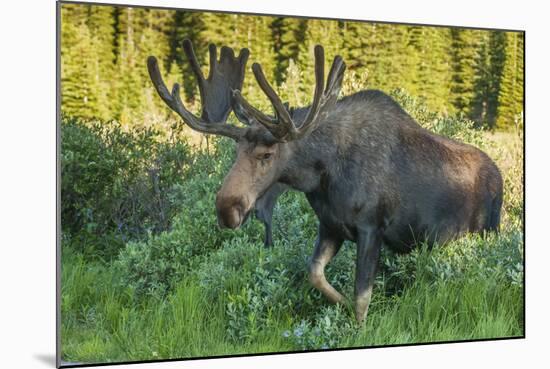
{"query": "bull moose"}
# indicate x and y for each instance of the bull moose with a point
(371, 173)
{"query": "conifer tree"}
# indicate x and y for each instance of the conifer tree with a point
(387, 50)
(323, 32)
(463, 53)
(186, 25)
(497, 45)
(480, 100)
(355, 40)
(372, 45)
(260, 43)
(488, 68)
(100, 21)
(510, 109)
(154, 39)
(79, 70)
(287, 34)
(129, 81)
(428, 66)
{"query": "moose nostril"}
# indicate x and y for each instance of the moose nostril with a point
(235, 219)
(230, 217)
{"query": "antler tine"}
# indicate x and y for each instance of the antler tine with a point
(243, 58)
(335, 77)
(242, 108)
(318, 101)
(226, 53)
(195, 66)
(158, 82)
(173, 100)
(212, 50)
(284, 121)
(319, 84)
(282, 126)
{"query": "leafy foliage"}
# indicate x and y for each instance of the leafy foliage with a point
(116, 185)
(331, 325)
(457, 127)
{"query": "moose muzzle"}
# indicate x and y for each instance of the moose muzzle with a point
(231, 211)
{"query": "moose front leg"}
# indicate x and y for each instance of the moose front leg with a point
(326, 247)
(268, 237)
(264, 209)
(368, 255)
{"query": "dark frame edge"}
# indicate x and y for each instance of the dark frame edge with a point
(58, 184)
(524, 187)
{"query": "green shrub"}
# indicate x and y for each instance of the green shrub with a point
(457, 127)
(116, 185)
(155, 264)
(258, 284)
(329, 327)
(261, 286)
(472, 256)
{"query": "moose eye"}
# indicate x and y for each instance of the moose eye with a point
(265, 156)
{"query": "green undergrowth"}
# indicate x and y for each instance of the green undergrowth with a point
(147, 274)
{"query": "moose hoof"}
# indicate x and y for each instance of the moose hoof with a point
(361, 309)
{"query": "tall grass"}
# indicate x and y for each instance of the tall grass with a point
(105, 324)
(101, 324)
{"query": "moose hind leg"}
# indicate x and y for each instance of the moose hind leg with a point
(368, 255)
(325, 248)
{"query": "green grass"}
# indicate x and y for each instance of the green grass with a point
(475, 301)
(446, 311)
(196, 291)
(103, 325)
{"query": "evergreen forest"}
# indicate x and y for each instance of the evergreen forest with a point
(476, 73)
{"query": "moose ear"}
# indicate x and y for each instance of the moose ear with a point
(239, 111)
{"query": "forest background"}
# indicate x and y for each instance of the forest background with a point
(477, 73)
